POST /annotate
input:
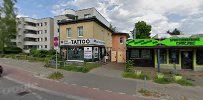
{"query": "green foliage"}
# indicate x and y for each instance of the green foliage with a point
(56, 76)
(184, 82)
(84, 69)
(8, 24)
(135, 75)
(142, 30)
(174, 32)
(42, 53)
(129, 66)
(161, 79)
(12, 50)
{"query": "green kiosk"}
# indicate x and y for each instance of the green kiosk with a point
(185, 53)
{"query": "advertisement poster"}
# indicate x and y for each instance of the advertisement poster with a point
(88, 52)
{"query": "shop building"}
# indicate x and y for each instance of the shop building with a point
(118, 53)
(86, 39)
(182, 53)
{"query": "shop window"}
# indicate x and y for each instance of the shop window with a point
(199, 57)
(163, 56)
(173, 56)
(135, 54)
(68, 31)
(80, 31)
(145, 54)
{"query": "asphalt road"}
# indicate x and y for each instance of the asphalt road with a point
(10, 90)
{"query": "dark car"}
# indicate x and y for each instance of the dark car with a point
(1, 70)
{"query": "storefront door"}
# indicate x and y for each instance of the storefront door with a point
(186, 59)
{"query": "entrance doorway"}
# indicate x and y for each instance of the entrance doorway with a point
(187, 60)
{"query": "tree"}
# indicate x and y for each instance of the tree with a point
(174, 32)
(8, 23)
(112, 27)
(142, 30)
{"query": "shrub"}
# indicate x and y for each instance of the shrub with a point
(135, 75)
(12, 50)
(42, 53)
(161, 79)
(84, 69)
(129, 66)
(184, 82)
(56, 76)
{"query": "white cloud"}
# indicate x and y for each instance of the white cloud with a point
(124, 13)
(21, 15)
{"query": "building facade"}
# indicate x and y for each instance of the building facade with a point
(180, 53)
(85, 39)
(118, 53)
(34, 34)
(70, 14)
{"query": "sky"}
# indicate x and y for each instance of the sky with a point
(163, 15)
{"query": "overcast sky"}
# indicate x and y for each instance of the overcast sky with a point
(163, 15)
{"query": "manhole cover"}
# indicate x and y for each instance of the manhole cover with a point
(23, 93)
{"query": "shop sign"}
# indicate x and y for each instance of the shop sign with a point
(82, 42)
(183, 42)
(166, 42)
(142, 42)
(88, 52)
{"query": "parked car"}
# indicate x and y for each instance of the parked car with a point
(1, 70)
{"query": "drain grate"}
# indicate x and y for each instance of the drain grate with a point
(23, 93)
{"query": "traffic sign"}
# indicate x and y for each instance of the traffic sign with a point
(56, 41)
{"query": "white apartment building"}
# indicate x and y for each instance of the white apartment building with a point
(34, 33)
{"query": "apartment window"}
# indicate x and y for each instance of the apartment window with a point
(58, 30)
(45, 31)
(41, 39)
(45, 46)
(41, 24)
(37, 24)
(68, 31)
(40, 32)
(45, 39)
(45, 23)
(121, 40)
(80, 31)
(86, 15)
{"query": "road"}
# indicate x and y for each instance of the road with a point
(10, 90)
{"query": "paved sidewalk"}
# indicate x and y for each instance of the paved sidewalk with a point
(112, 82)
(75, 90)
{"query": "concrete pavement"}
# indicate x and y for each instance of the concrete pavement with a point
(110, 82)
(10, 90)
(75, 90)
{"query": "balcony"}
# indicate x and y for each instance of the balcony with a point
(30, 35)
(28, 27)
(30, 20)
(30, 43)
